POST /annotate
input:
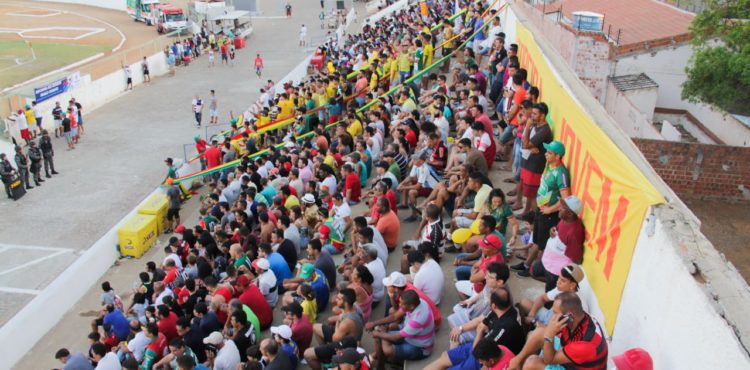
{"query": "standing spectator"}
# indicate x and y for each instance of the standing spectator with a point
(57, 116)
(288, 8)
(37, 114)
(128, 77)
(259, 67)
(174, 196)
(302, 35)
(146, 73)
(45, 144)
(213, 107)
(197, 105)
(22, 164)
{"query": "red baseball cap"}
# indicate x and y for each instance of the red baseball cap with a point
(634, 359)
(179, 229)
(491, 241)
(243, 281)
(324, 232)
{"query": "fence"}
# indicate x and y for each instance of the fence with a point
(16, 98)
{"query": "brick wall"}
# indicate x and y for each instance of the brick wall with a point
(720, 171)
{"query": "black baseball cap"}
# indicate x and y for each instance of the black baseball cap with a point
(349, 356)
(294, 308)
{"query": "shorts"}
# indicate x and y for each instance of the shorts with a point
(173, 213)
(130, 80)
(530, 183)
(405, 351)
(424, 192)
(25, 134)
(542, 224)
(58, 123)
(224, 57)
(39, 122)
(325, 353)
(258, 70)
(463, 222)
(213, 112)
(462, 359)
(466, 288)
(517, 159)
(74, 132)
(68, 137)
(328, 331)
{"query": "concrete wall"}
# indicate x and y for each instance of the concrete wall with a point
(94, 94)
(724, 126)
(108, 4)
(666, 66)
(586, 53)
(700, 169)
(667, 311)
(633, 119)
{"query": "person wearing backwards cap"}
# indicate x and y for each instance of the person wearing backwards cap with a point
(491, 246)
(350, 359)
(569, 281)
(282, 334)
(266, 281)
(316, 279)
(565, 244)
(221, 354)
(397, 284)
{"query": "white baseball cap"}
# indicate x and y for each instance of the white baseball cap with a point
(283, 331)
(261, 263)
(214, 338)
(396, 279)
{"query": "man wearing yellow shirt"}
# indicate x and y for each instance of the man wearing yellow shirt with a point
(355, 127)
(286, 106)
(428, 50)
(404, 63)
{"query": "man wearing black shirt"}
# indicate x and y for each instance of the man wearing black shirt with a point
(285, 248)
(192, 336)
(274, 360)
(501, 325)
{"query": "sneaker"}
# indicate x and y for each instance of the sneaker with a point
(518, 267)
(524, 273)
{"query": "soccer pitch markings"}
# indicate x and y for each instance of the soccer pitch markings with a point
(77, 32)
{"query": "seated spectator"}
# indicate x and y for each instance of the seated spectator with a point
(463, 217)
(565, 244)
(501, 326)
(221, 353)
(155, 349)
(77, 361)
(420, 182)
(535, 312)
(177, 348)
(495, 277)
(491, 252)
(282, 334)
(425, 273)
(105, 359)
(322, 260)
(302, 329)
(414, 340)
(251, 296)
(397, 285)
(266, 281)
(308, 274)
(192, 337)
(388, 224)
(350, 324)
(571, 338)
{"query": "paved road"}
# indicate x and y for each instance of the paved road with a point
(120, 159)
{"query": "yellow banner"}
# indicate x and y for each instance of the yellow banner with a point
(615, 194)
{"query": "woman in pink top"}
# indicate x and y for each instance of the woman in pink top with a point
(361, 282)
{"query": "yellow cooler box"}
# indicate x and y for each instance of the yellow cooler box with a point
(137, 235)
(156, 206)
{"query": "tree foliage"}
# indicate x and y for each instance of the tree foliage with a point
(719, 71)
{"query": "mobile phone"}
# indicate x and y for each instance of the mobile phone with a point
(566, 317)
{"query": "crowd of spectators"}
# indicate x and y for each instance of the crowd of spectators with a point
(302, 234)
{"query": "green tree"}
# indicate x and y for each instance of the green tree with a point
(719, 71)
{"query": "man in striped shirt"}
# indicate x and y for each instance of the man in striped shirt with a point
(415, 339)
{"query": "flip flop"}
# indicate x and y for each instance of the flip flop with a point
(510, 181)
(511, 193)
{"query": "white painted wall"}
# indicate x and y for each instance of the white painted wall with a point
(108, 4)
(667, 67)
(629, 116)
(398, 5)
(665, 310)
(94, 94)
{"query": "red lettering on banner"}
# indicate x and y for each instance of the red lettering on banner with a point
(594, 188)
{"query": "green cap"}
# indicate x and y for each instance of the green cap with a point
(307, 270)
(28, 106)
(196, 137)
(555, 147)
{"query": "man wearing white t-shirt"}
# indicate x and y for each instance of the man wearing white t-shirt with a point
(266, 281)
(571, 277)
(377, 269)
(420, 182)
(426, 272)
(342, 213)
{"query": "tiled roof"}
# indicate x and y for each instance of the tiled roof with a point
(640, 20)
(633, 82)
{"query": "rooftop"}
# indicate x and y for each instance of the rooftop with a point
(633, 82)
(641, 21)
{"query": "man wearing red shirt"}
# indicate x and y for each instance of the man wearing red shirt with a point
(352, 185)
(200, 147)
(250, 295)
(167, 322)
(477, 112)
(213, 157)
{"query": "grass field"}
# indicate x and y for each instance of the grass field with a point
(17, 64)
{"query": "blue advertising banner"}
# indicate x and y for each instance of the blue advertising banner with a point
(56, 88)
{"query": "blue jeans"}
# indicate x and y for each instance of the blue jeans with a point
(406, 351)
(331, 249)
(463, 272)
(517, 158)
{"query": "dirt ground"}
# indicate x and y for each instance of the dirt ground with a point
(727, 226)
